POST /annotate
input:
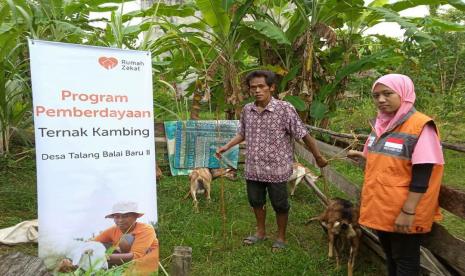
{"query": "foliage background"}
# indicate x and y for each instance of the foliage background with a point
(201, 52)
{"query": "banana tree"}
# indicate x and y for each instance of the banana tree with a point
(299, 38)
(205, 51)
(319, 44)
(57, 20)
(14, 82)
(14, 89)
(179, 55)
(224, 19)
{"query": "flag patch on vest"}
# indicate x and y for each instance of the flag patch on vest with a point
(394, 144)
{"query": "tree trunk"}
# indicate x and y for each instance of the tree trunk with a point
(195, 108)
(232, 90)
(306, 93)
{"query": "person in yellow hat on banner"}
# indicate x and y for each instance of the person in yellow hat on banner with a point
(127, 242)
(131, 240)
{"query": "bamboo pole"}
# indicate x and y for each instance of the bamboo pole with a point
(446, 145)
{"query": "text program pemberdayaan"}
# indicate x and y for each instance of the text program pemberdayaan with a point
(91, 98)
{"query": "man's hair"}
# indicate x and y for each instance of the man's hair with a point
(270, 77)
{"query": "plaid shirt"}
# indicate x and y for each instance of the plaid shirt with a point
(269, 141)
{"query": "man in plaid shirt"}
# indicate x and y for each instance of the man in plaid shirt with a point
(269, 126)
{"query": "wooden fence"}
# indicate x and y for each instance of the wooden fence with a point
(442, 253)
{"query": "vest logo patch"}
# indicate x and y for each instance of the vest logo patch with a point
(371, 140)
(394, 144)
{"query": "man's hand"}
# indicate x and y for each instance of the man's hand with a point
(234, 141)
(220, 150)
(321, 161)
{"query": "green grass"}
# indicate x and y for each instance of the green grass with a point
(216, 243)
(18, 200)
(454, 168)
(352, 173)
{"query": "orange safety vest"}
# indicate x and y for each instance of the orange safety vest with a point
(388, 175)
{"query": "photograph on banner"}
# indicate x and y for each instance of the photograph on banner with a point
(95, 153)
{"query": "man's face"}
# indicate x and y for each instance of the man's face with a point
(125, 221)
(260, 90)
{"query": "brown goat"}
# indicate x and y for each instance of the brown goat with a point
(299, 171)
(200, 181)
(340, 219)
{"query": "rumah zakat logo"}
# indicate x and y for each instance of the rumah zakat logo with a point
(108, 62)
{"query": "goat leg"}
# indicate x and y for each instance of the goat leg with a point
(330, 244)
(207, 192)
(313, 219)
(194, 199)
(354, 245)
(338, 260)
(350, 264)
(294, 184)
(187, 195)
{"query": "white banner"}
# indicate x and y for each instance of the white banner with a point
(94, 132)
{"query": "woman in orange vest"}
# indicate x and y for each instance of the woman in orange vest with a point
(404, 166)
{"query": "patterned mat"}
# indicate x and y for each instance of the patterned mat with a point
(197, 141)
(170, 133)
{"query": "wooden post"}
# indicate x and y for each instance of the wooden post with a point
(181, 262)
(441, 243)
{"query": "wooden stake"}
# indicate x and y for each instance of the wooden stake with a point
(182, 260)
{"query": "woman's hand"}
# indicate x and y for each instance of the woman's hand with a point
(355, 154)
(407, 213)
(403, 222)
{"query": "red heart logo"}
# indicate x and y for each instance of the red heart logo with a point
(108, 62)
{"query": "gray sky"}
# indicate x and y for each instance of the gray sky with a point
(393, 29)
